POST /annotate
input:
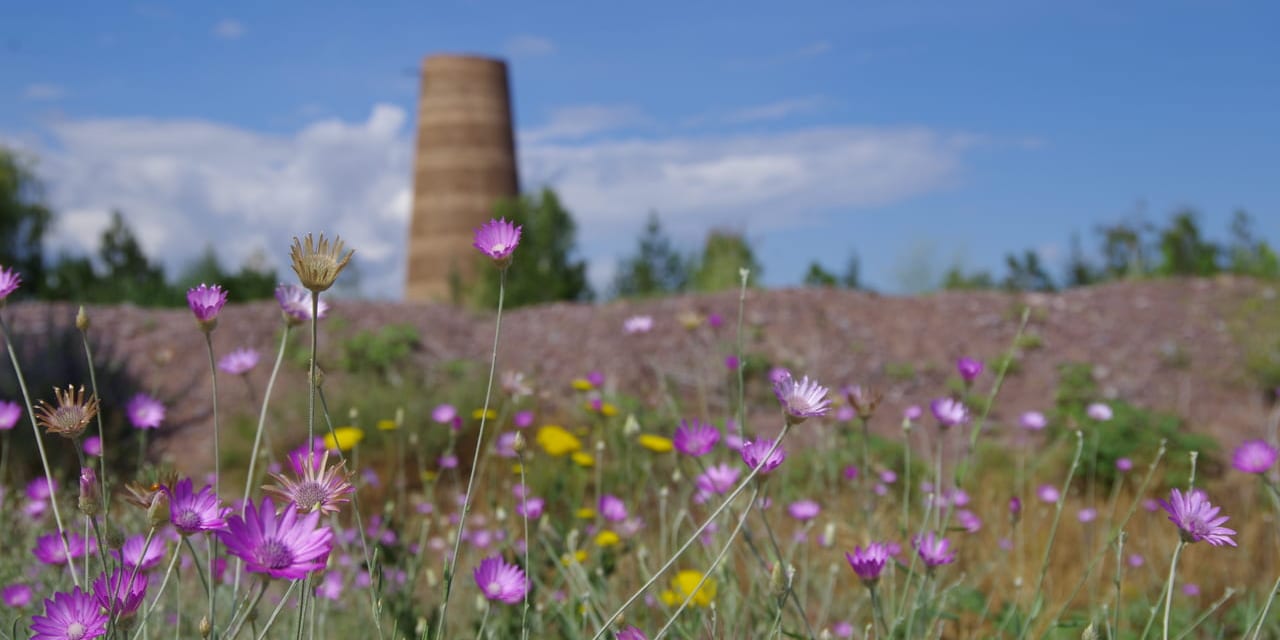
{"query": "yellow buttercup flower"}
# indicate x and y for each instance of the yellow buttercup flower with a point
(517, 468)
(607, 538)
(344, 438)
(388, 425)
(579, 557)
(684, 584)
(586, 513)
(556, 441)
(608, 410)
(655, 443)
(492, 414)
(582, 384)
(583, 459)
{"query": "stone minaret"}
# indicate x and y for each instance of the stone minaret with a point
(465, 163)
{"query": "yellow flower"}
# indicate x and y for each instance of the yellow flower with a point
(586, 513)
(690, 319)
(491, 415)
(579, 557)
(583, 459)
(655, 443)
(429, 476)
(608, 410)
(344, 438)
(582, 384)
(607, 538)
(388, 425)
(683, 584)
(517, 468)
(556, 441)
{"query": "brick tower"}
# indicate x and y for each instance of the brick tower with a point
(465, 162)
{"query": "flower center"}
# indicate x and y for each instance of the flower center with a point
(187, 520)
(498, 247)
(309, 496)
(494, 588)
(274, 554)
(75, 631)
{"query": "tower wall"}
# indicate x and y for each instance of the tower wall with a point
(465, 162)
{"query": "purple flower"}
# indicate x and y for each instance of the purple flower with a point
(801, 400)
(1015, 507)
(331, 587)
(1087, 514)
(239, 362)
(295, 303)
(803, 510)
(612, 508)
(630, 633)
(49, 549)
(281, 546)
(1136, 560)
(498, 239)
(16, 595)
(317, 487)
(851, 472)
(92, 446)
(505, 445)
(70, 616)
(444, 413)
(501, 581)
(120, 592)
(754, 451)
(9, 414)
(1124, 465)
(637, 324)
(732, 363)
(969, 368)
(969, 521)
(144, 412)
(206, 301)
(695, 438)
(934, 550)
(192, 512)
(9, 281)
(846, 413)
(1254, 456)
(716, 479)
(1197, 519)
(1099, 412)
(447, 461)
(842, 629)
(1033, 421)
(531, 508)
(522, 419)
(1191, 589)
(131, 553)
(869, 562)
(1048, 493)
(949, 412)
(595, 378)
(912, 413)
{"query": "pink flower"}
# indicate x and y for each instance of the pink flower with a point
(70, 616)
(695, 438)
(1048, 493)
(1197, 519)
(238, 362)
(522, 419)
(295, 303)
(754, 452)
(1087, 514)
(501, 581)
(637, 324)
(531, 508)
(281, 546)
(717, 479)
(1099, 411)
(934, 551)
(9, 281)
(801, 400)
(1033, 421)
(969, 368)
(868, 563)
(10, 412)
(145, 412)
(206, 301)
(194, 512)
(803, 510)
(612, 508)
(949, 412)
(1254, 456)
(498, 239)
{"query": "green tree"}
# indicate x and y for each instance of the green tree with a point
(1026, 273)
(955, 279)
(24, 221)
(655, 269)
(1248, 256)
(852, 278)
(128, 274)
(544, 268)
(1124, 250)
(254, 281)
(725, 253)
(817, 276)
(1080, 272)
(1184, 251)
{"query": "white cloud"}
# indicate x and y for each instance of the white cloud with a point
(44, 92)
(813, 49)
(775, 110)
(523, 46)
(185, 183)
(572, 123)
(229, 29)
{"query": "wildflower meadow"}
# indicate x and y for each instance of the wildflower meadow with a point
(778, 504)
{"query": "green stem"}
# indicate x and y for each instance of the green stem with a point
(217, 473)
(102, 439)
(280, 607)
(452, 569)
(173, 562)
(1036, 603)
(1168, 594)
(1262, 619)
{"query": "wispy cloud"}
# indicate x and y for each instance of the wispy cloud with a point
(186, 182)
(812, 49)
(523, 46)
(229, 29)
(43, 92)
(776, 110)
(576, 122)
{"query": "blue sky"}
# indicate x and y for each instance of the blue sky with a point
(935, 132)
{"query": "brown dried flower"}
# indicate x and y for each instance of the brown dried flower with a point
(318, 266)
(72, 414)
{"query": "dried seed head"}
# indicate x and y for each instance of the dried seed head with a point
(318, 266)
(71, 415)
(82, 319)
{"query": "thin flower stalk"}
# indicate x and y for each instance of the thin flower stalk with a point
(93, 384)
(604, 627)
(44, 458)
(168, 573)
(279, 607)
(1226, 595)
(217, 467)
(452, 568)
(733, 535)
(1168, 593)
(1053, 533)
(1262, 619)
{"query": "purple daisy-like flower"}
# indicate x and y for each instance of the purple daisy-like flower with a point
(912, 413)
(10, 279)
(40, 488)
(70, 616)
(132, 555)
(1124, 465)
(1099, 411)
(949, 412)
(1197, 519)
(969, 521)
(803, 510)
(192, 512)
(444, 413)
(637, 324)
(281, 546)
(934, 550)
(10, 412)
(120, 592)
(1254, 456)
(630, 633)
(1087, 514)
(501, 581)
(498, 239)
(754, 452)
(695, 438)
(869, 562)
(206, 301)
(717, 479)
(92, 446)
(531, 508)
(144, 412)
(612, 508)
(16, 595)
(801, 400)
(969, 368)
(295, 303)
(1048, 493)
(1033, 421)
(318, 486)
(49, 548)
(239, 362)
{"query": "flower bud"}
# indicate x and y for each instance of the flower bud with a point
(206, 627)
(158, 512)
(90, 495)
(82, 319)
